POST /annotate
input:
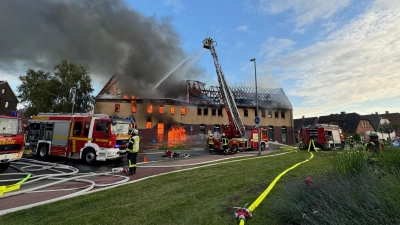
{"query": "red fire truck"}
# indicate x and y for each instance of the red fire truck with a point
(11, 141)
(89, 137)
(240, 138)
(324, 136)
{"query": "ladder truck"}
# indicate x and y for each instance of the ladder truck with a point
(240, 138)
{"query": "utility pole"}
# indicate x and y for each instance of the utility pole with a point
(258, 125)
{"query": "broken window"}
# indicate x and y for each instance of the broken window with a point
(219, 112)
(161, 110)
(183, 111)
(246, 113)
(213, 112)
(205, 111)
(172, 111)
(199, 111)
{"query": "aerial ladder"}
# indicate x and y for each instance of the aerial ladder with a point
(236, 125)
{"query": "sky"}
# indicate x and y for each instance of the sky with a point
(328, 56)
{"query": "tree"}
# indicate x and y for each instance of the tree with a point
(387, 128)
(45, 92)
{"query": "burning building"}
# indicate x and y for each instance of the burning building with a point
(190, 120)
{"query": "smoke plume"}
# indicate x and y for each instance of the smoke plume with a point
(106, 35)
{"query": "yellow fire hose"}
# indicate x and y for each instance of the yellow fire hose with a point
(13, 187)
(260, 198)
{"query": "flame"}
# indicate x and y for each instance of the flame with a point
(183, 111)
(132, 97)
(161, 109)
(133, 108)
(172, 110)
(148, 125)
(150, 109)
(160, 132)
(126, 96)
(177, 134)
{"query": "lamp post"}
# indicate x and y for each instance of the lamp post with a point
(258, 126)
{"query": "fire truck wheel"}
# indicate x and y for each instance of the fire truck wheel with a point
(42, 152)
(262, 146)
(4, 166)
(89, 156)
(235, 148)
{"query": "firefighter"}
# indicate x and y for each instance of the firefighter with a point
(224, 141)
(211, 143)
(133, 150)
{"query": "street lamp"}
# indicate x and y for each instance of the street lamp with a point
(258, 126)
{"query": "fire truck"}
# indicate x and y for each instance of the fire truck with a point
(240, 138)
(324, 136)
(11, 141)
(88, 137)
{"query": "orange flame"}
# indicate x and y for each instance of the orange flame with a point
(160, 132)
(126, 96)
(177, 134)
(150, 109)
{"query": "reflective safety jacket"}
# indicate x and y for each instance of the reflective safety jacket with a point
(224, 140)
(133, 144)
(210, 140)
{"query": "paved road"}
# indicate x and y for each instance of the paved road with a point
(156, 164)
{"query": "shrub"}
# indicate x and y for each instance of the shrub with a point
(363, 198)
(348, 162)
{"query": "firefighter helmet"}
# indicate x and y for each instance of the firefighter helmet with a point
(211, 135)
(134, 131)
(223, 134)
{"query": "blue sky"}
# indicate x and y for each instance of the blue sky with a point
(328, 56)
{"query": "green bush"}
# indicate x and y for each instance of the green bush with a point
(364, 198)
(348, 162)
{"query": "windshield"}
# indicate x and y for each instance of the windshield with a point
(10, 126)
(120, 127)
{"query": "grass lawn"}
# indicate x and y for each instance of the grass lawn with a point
(201, 196)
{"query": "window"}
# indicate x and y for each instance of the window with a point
(160, 132)
(199, 111)
(271, 133)
(255, 112)
(133, 108)
(86, 130)
(219, 112)
(6, 105)
(77, 128)
(263, 113)
(172, 110)
(150, 108)
(205, 111)
(284, 133)
(269, 113)
(148, 124)
(183, 111)
(202, 129)
(161, 110)
(3, 91)
(246, 113)
(276, 114)
(282, 114)
(213, 112)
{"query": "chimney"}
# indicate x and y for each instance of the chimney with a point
(342, 113)
(387, 112)
(376, 113)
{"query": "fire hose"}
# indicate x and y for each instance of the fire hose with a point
(243, 213)
(60, 177)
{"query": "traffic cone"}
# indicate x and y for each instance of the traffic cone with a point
(145, 159)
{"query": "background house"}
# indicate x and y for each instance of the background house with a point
(8, 100)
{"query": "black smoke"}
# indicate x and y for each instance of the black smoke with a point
(106, 35)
